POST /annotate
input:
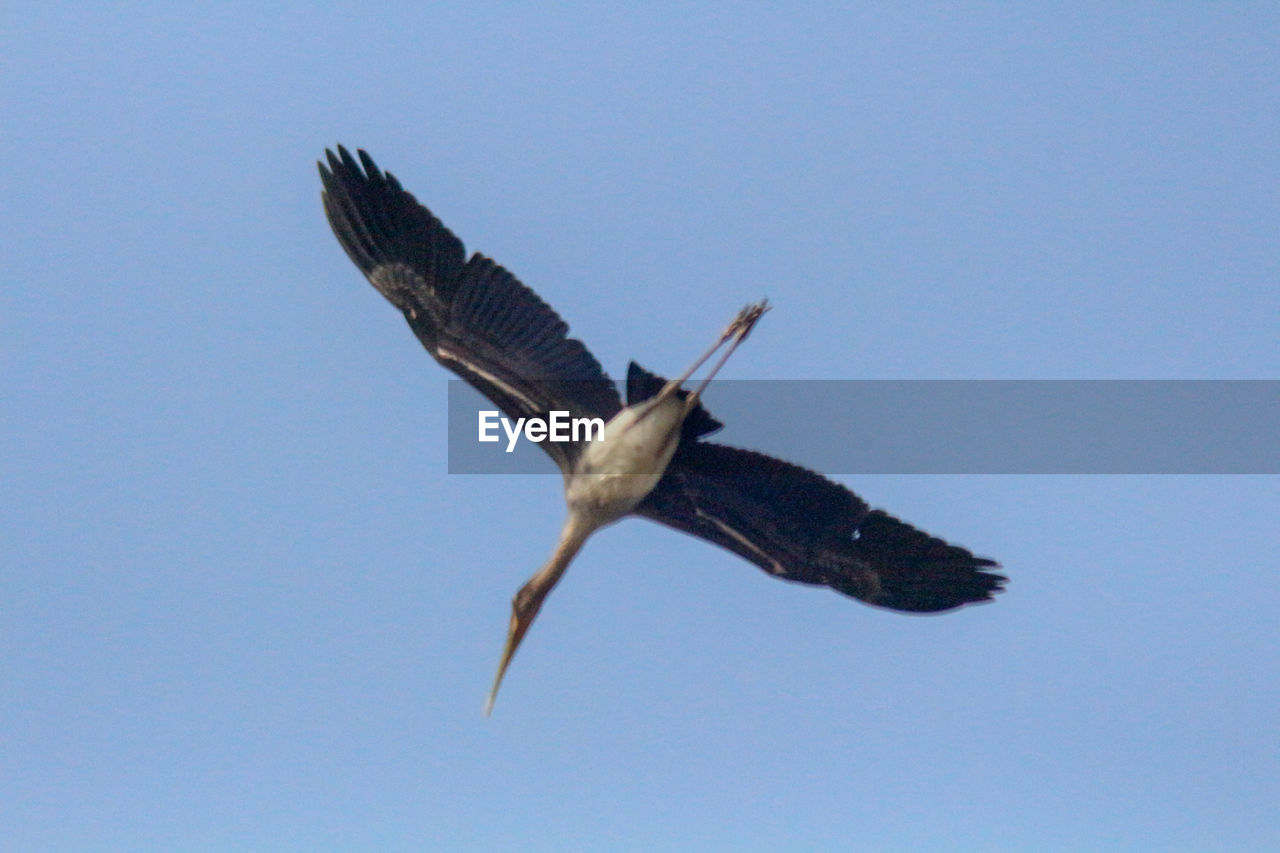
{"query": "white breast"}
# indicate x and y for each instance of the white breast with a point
(616, 472)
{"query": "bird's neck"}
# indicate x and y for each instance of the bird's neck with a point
(573, 535)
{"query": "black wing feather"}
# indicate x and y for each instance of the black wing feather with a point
(798, 525)
(379, 224)
(474, 316)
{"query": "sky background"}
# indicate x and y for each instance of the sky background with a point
(243, 606)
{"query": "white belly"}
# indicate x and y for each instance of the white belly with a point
(616, 472)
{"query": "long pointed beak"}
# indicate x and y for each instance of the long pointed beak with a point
(528, 601)
(521, 619)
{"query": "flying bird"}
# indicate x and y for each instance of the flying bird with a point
(653, 460)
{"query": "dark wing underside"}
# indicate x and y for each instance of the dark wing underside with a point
(476, 318)
(798, 525)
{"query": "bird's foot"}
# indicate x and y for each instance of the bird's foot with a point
(746, 321)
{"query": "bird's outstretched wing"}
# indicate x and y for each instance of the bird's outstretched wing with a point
(476, 318)
(798, 525)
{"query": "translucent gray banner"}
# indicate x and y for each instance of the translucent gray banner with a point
(955, 426)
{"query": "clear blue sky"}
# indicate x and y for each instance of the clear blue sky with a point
(242, 605)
